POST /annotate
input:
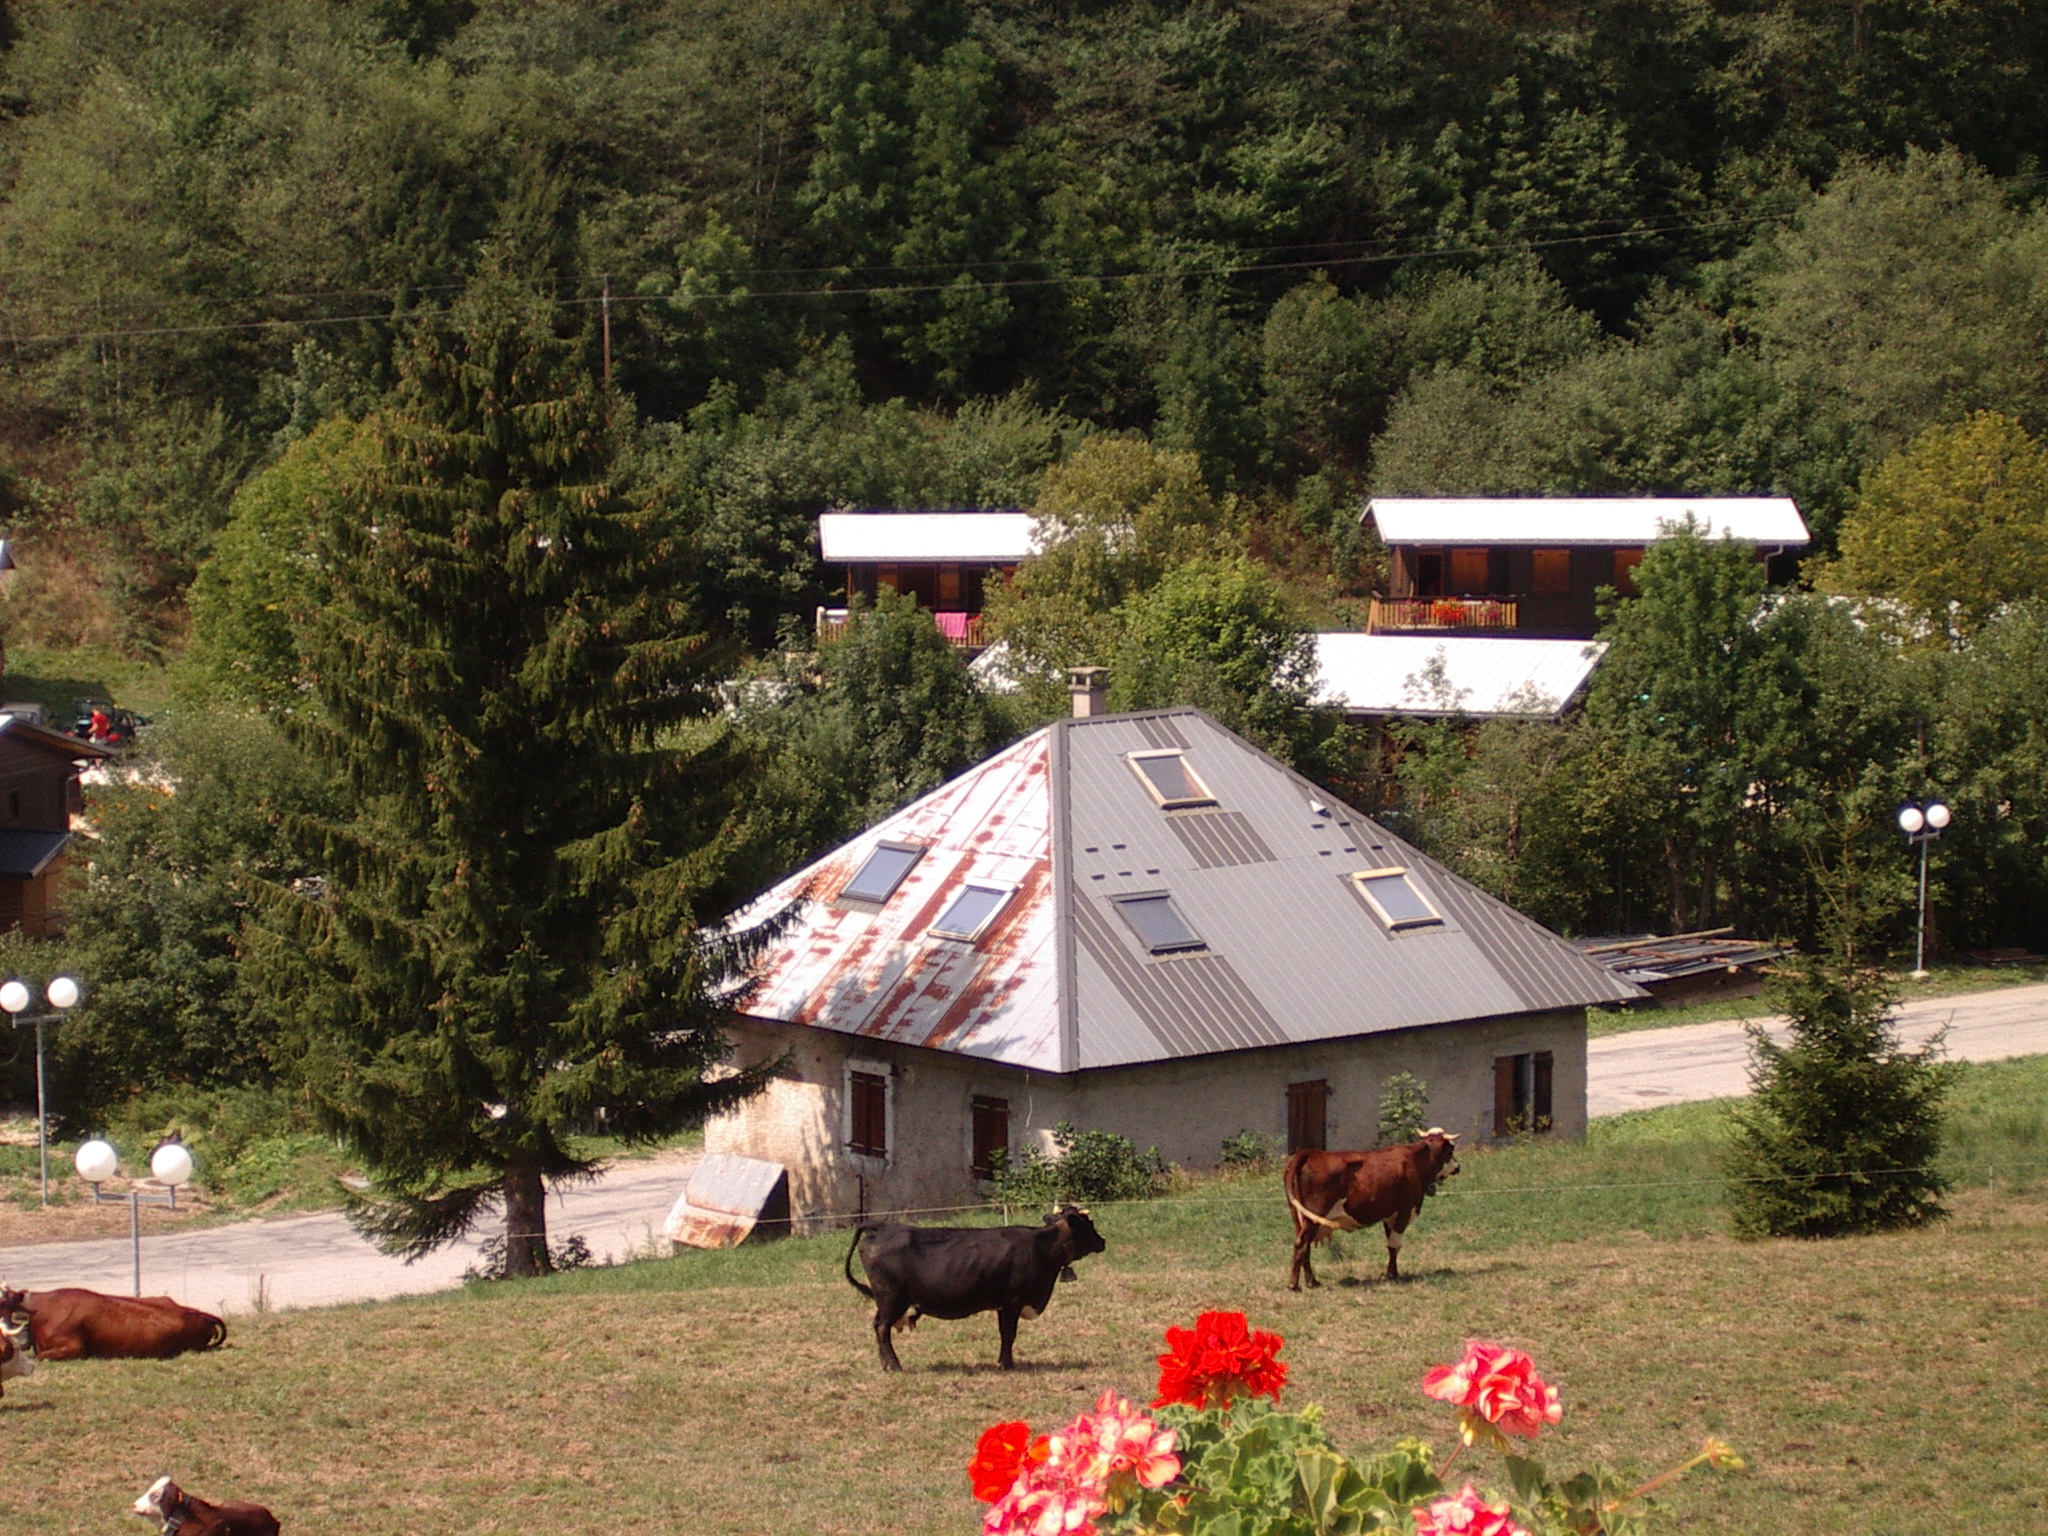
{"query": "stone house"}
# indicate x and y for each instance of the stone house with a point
(1137, 923)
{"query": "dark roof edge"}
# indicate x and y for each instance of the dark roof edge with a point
(1060, 851)
(43, 736)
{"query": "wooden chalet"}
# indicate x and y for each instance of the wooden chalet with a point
(944, 559)
(39, 796)
(1534, 566)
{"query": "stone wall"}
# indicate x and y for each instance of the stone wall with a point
(1185, 1107)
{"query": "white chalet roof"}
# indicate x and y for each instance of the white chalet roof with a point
(997, 538)
(1449, 674)
(1616, 520)
(1113, 924)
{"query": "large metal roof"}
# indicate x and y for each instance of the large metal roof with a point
(993, 537)
(1480, 676)
(1060, 981)
(1617, 520)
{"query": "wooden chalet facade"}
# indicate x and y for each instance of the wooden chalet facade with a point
(946, 560)
(1534, 566)
(39, 795)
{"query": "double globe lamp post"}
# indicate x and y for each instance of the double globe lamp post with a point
(62, 995)
(170, 1165)
(1922, 824)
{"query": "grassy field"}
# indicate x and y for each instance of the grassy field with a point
(1887, 1384)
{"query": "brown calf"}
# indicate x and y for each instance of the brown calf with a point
(1344, 1191)
(180, 1514)
(72, 1324)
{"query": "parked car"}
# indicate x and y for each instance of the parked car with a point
(101, 721)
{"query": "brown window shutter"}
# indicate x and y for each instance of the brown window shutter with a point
(991, 1122)
(1308, 1116)
(1504, 1075)
(870, 1114)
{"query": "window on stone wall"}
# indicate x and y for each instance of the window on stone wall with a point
(1522, 1094)
(1308, 1116)
(991, 1122)
(867, 1130)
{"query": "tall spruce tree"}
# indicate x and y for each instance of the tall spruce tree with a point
(508, 947)
(1842, 1126)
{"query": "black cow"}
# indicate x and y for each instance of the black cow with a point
(958, 1271)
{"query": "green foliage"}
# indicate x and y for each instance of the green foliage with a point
(1951, 528)
(1221, 634)
(262, 579)
(252, 1146)
(864, 725)
(1247, 1151)
(1404, 1109)
(1842, 1129)
(508, 940)
(188, 846)
(1085, 1166)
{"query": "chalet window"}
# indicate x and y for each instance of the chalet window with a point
(867, 1113)
(1159, 927)
(1308, 1116)
(949, 587)
(1552, 573)
(1471, 571)
(881, 872)
(1522, 1093)
(1395, 899)
(971, 912)
(1625, 563)
(1172, 781)
(991, 1131)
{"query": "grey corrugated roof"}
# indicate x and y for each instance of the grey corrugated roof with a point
(1293, 952)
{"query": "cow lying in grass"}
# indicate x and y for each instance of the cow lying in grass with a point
(956, 1272)
(180, 1514)
(1344, 1191)
(72, 1324)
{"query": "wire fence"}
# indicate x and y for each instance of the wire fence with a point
(841, 1218)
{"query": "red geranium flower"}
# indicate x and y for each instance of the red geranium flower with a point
(1466, 1515)
(1219, 1359)
(1003, 1451)
(1498, 1387)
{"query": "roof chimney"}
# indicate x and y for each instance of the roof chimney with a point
(1088, 688)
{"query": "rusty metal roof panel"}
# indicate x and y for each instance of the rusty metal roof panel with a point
(877, 970)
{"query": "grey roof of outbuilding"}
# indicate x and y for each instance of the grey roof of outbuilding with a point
(1292, 951)
(1060, 982)
(24, 855)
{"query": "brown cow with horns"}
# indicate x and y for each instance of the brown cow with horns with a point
(1344, 1191)
(72, 1324)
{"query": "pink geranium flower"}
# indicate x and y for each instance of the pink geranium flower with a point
(1495, 1386)
(1465, 1515)
(1121, 1447)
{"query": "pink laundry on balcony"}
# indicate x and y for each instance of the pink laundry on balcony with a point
(952, 624)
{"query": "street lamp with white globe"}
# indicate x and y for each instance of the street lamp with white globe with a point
(1922, 824)
(62, 995)
(170, 1165)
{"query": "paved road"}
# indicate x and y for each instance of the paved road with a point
(304, 1261)
(1711, 1061)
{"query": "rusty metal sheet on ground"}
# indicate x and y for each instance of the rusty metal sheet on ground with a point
(727, 1198)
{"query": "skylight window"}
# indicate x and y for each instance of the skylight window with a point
(1170, 778)
(1158, 926)
(1397, 901)
(971, 912)
(880, 873)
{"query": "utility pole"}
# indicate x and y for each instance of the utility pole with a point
(606, 310)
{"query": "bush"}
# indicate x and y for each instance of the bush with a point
(251, 1146)
(1842, 1128)
(1404, 1109)
(1247, 1152)
(1089, 1165)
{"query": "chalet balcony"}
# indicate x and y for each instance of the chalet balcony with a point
(965, 631)
(1390, 615)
